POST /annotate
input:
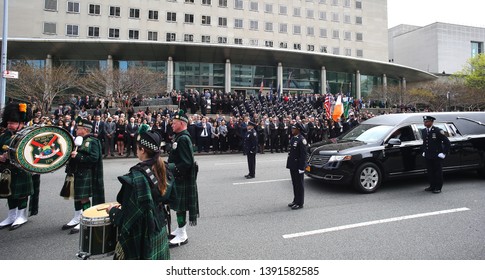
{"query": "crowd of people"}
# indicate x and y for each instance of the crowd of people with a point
(217, 123)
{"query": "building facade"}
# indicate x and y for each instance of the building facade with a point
(286, 45)
(437, 48)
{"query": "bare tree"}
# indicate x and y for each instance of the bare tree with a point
(123, 86)
(40, 85)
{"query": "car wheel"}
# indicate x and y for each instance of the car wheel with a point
(368, 178)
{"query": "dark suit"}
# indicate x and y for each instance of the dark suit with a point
(131, 131)
(296, 163)
(251, 148)
(434, 143)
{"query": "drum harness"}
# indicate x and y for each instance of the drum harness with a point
(164, 208)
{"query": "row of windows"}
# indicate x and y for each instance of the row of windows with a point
(74, 6)
(114, 33)
(93, 31)
(134, 13)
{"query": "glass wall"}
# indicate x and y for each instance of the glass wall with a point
(368, 83)
(249, 77)
(84, 66)
(341, 82)
(298, 78)
(198, 75)
(157, 66)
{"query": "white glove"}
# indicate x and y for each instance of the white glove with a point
(301, 171)
(441, 155)
(423, 154)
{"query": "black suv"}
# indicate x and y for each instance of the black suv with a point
(389, 146)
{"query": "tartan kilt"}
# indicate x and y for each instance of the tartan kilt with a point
(158, 244)
(21, 185)
(83, 181)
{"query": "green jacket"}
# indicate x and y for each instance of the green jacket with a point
(182, 165)
(87, 168)
(141, 223)
(21, 180)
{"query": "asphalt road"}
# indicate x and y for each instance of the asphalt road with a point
(249, 219)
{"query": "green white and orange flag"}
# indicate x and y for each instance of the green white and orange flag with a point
(338, 109)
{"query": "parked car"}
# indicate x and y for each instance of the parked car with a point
(389, 146)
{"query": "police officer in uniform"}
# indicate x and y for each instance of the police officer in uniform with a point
(251, 149)
(296, 163)
(435, 147)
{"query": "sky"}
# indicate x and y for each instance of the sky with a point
(424, 12)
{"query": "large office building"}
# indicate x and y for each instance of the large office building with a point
(437, 48)
(228, 45)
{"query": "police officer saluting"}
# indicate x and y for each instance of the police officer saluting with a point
(296, 163)
(435, 147)
(251, 149)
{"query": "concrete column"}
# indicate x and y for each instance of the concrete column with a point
(48, 62)
(403, 84)
(228, 77)
(357, 85)
(279, 79)
(109, 69)
(323, 80)
(384, 86)
(170, 74)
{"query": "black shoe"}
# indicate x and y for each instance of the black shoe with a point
(16, 227)
(296, 207)
(33, 212)
(5, 226)
(429, 189)
(249, 177)
(291, 204)
(170, 245)
(105, 156)
(74, 231)
(436, 191)
(66, 226)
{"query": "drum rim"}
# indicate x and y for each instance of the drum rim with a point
(25, 140)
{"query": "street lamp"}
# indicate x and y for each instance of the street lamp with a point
(3, 83)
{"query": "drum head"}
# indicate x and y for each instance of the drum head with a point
(97, 211)
(43, 149)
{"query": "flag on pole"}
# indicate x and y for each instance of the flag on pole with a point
(328, 88)
(262, 85)
(338, 109)
(327, 106)
(289, 79)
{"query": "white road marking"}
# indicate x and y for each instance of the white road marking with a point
(245, 162)
(259, 182)
(396, 219)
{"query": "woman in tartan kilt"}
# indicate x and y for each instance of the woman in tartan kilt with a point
(140, 218)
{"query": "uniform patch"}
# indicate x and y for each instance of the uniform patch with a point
(304, 142)
(174, 146)
(86, 145)
(442, 132)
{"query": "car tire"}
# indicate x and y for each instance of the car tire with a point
(368, 178)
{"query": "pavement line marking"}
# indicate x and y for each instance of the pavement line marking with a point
(245, 162)
(257, 182)
(396, 219)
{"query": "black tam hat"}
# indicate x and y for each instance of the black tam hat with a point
(16, 112)
(84, 123)
(149, 139)
(181, 116)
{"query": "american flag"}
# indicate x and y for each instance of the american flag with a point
(327, 105)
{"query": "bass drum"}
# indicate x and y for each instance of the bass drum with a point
(41, 149)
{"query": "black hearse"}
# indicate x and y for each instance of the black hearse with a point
(389, 146)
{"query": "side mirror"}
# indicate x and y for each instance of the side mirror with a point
(394, 142)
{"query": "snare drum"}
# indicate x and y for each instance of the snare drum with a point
(41, 149)
(97, 235)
